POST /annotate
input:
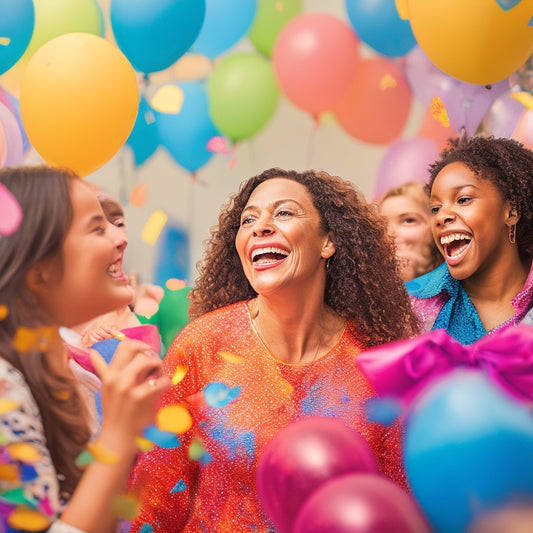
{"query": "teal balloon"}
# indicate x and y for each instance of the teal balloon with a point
(226, 23)
(378, 24)
(185, 134)
(17, 19)
(468, 450)
(154, 34)
(144, 138)
(243, 95)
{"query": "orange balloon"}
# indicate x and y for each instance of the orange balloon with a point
(378, 103)
(477, 41)
(78, 100)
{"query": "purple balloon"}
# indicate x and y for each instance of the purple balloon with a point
(360, 503)
(14, 154)
(465, 103)
(301, 457)
(503, 116)
(405, 160)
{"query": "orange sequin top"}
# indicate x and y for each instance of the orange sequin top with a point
(216, 492)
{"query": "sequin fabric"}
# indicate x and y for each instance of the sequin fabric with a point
(440, 302)
(217, 492)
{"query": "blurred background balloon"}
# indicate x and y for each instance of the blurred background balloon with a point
(502, 117)
(524, 129)
(315, 59)
(243, 95)
(271, 17)
(154, 34)
(360, 503)
(12, 103)
(377, 105)
(378, 24)
(226, 22)
(476, 41)
(13, 149)
(185, 133)
(79, 99)
(466, 103)
(522, 78)
(3, 152)
(16, 27)
(434, 129)
(405, 160)
(468, 450)
(144, 138)
(301, 457)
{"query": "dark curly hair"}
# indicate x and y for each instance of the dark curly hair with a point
(362, 282)
(508, 165)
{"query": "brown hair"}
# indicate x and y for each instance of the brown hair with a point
(362, 283)
(44, 196)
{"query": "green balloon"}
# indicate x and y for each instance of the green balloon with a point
(271, 16)
(243, 95)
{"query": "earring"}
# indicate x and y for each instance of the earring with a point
(512, 234)
(328, 261)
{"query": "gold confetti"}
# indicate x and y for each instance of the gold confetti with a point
(174, 284)
(168, 99)
(125, 507)
(154, 226)
(9, 472)
(143, 444)
(27, 519)
(139, 194)
(179, 374)
(174, 419)
(26, 339)
(231, 357)
(387, 82)
(196, 449)
(24, 452)
(120, 336)
(438, 112)
(5, 41)
(101, 454)
(278, 6)
(4, 311)
(7, 405)
(524, 97)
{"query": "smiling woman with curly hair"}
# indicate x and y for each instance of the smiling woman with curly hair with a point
(297, 279)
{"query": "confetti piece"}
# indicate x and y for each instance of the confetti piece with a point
(174, 284)
(506, 5)
(5, 41)
(26, 339)
(179, 374)
(174, 419)
(147, 528)
(218, 145)
(7, 405)
(232, 162)
(278, 6)
(153, 227)
(206, 458)
(101, 454)
(164, 439)
(28, 473)
(63, 395)
(139, 195)
(180, 486)
(9, 472)
(84, 459)
(15, 496)
(231, 357)
(10, 212)
(524, 97)
(4, 311)
(143, 444)
(28, 519)
(438, 112)
(168, 99)
(218, 394)
(24, 452)
(120, 336)
(125, 507)
(387, 82)
(196, 449)
(383, 410)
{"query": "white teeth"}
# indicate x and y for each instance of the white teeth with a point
(114, 268)
(447, 239)
(269, 250)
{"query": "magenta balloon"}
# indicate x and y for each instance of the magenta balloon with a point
(360, 503)
(13, 145)
(405, 160)
(465, 103)
(302, 456)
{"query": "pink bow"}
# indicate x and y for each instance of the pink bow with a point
(401, 369)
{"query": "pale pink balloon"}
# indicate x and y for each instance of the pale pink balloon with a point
(524, 129)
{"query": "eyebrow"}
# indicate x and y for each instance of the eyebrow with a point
(275, 204)
(95, 219)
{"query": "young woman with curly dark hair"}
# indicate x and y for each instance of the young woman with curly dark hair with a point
(482, 221)
(298, 278)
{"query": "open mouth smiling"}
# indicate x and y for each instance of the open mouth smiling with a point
(268, 255)
(455, 246)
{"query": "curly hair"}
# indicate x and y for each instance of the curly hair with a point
(362, 282)
(508, 165)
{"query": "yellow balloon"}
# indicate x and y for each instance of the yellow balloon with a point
(476, 41)
(78, 100)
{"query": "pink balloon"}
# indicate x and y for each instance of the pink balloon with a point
(13, 137)
(524, 129)
(360, 503)
(301, 457)
(315, 59)
(405, 160)
(503, 116)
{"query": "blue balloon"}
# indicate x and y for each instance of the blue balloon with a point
(144, 138)
(186, 134)
(226, 22)
(17, 19)
(154, 34)
(468, 450)
(377, 23)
